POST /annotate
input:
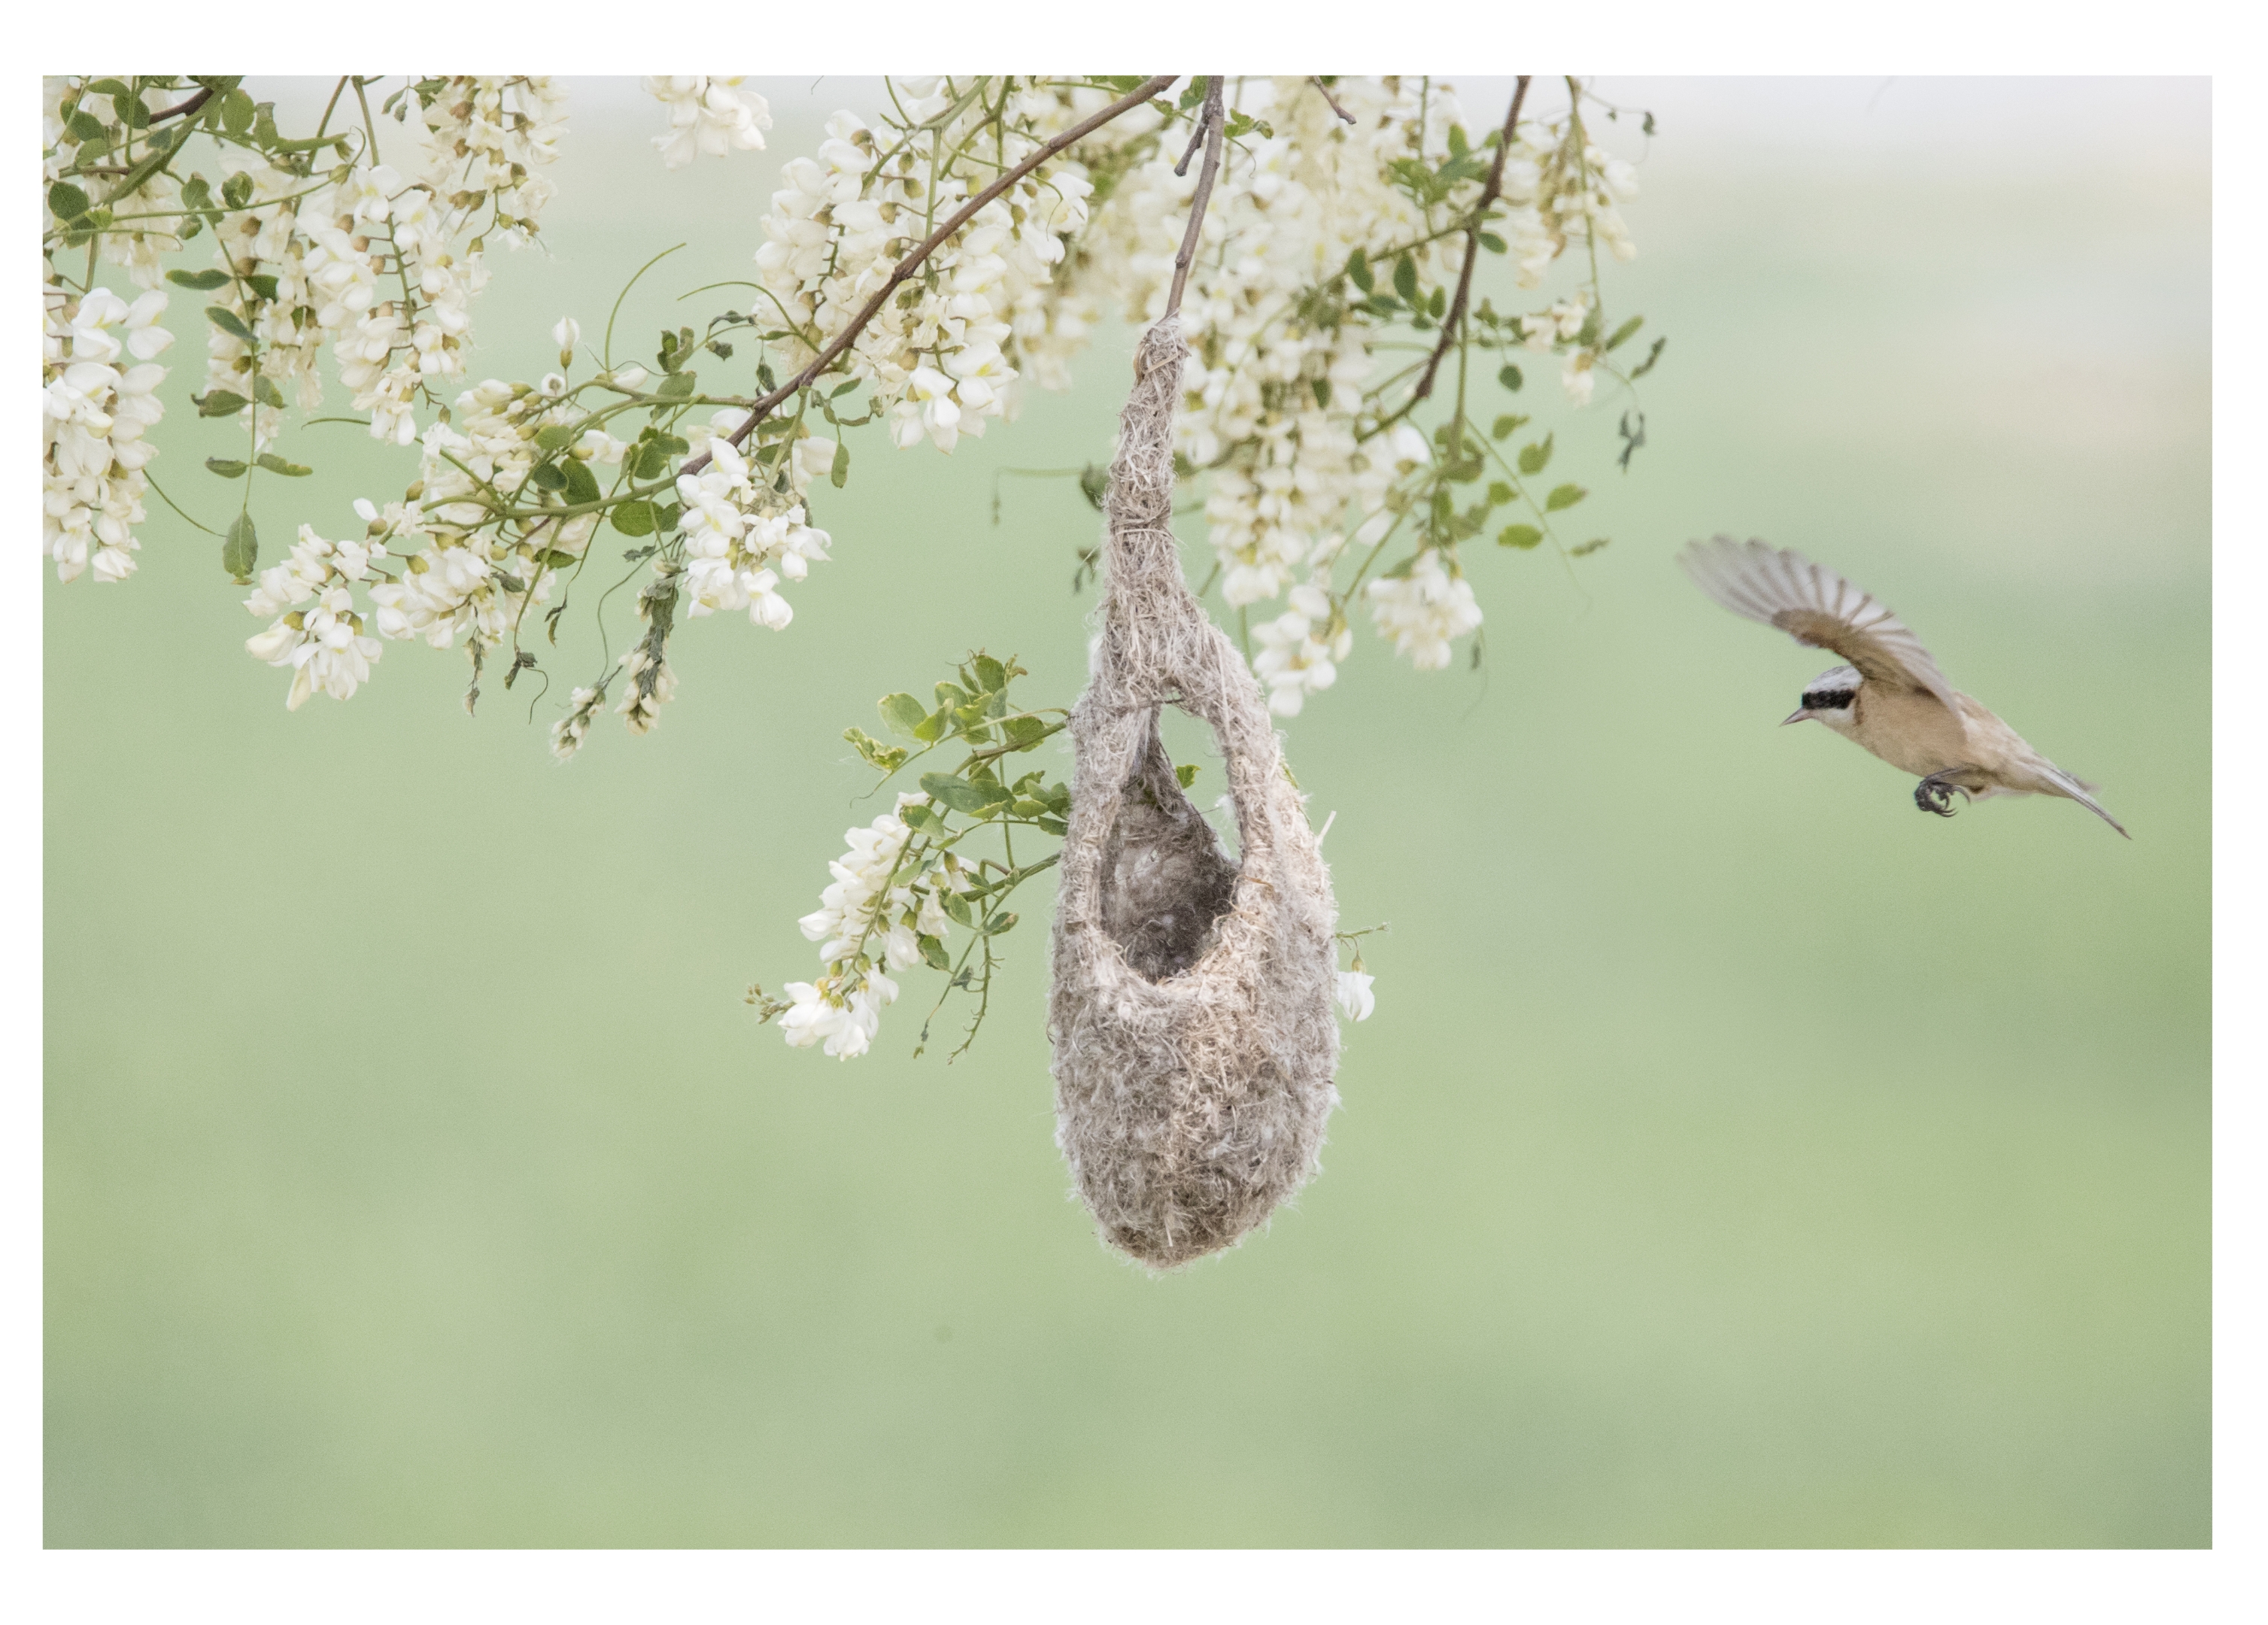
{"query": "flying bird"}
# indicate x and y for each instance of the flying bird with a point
(1892, 697)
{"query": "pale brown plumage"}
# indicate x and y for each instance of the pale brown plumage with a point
(1900, 707)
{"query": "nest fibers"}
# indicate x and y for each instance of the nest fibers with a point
(1191, 1010)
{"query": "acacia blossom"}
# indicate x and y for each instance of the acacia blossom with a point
(871, 919)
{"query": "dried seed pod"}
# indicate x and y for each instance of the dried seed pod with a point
(1191, 1007)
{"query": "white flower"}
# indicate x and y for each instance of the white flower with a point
(567, 333)
(707, 115)
(1354, 994)
(1423, 609)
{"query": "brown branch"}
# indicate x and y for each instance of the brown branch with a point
(1456, 317)
(1325, 92)
(1212, 120)
(912, 263)
(184, 109)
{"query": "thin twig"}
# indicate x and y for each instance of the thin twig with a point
(1473, 244)
(1196, 135)
(183, 109)
(912, 263)
(1345, 117)
(1214, 117)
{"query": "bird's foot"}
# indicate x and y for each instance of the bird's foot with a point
(1935, 794)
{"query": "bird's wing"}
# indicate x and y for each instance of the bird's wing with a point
(1812, 604)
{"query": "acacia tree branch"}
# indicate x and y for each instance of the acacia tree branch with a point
(1325, 92)
(1456, 317)
(185, 109)
(1210, 122)
(906, 267)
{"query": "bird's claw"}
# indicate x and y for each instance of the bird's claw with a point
(1934, 795)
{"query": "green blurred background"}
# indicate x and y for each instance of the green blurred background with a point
(1736, 1155)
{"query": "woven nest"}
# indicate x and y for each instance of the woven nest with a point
(1191, 1008)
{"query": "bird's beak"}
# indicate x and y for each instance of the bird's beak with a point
(1800, 716)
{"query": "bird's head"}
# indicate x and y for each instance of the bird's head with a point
(1828, 698)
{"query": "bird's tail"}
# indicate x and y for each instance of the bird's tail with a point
(2061, 783)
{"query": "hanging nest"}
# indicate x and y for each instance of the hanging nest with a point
(1191, 1008)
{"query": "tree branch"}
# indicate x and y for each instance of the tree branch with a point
(1325, 92)
(1456, 317)
(1210, 122)
(185, 109)
(912, 263)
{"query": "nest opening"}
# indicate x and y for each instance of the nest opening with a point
(1166, 875)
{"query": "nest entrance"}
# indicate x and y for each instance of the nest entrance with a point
(1167, 878)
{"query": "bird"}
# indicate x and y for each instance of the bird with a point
(1890, 698)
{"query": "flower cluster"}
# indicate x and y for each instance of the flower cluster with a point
(939, 358)
(886, 897)
(97, 416)
(325, 643)
(708, 115)
(1424, 609)
(742, 536)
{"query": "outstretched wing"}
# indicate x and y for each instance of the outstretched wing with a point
(1812, 604)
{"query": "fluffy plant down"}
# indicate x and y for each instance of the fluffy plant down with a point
(1191, 1007)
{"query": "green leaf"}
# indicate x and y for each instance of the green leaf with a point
(992, 675)
(265, 392)
(947, 790)
(1493, 243)
(1533, 457)
(1652, 355)
(925, 818)
(1405, 279)
(65, 201)
(229, 323)
(220, 404)
(634, 518)
(236, 191)
(1186, 773)
(933, 727)
(226, 468)
(1519, 536)
(1499, 493)
(951, 694)
(1053, 826)
(241, 550)
(1563, 497)
(1000, 925)
(902, 713)
(665, 518)
(549, 476)
(582, 484)
(85, 126)
(840, 470)
(1506, 424)
(1509, 377)
(654, 463)
(275, 464)
(1358, 271)
(109, 87)
(889, 758)
(1624, 332)
(1582, 548)
(676, 386)
(1381, 304)
(1439, 303)
(556, 437)
(955, 906)
(264, 286)
(934, 954)
(204, 281)
(1024, 732)
(236, 111)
